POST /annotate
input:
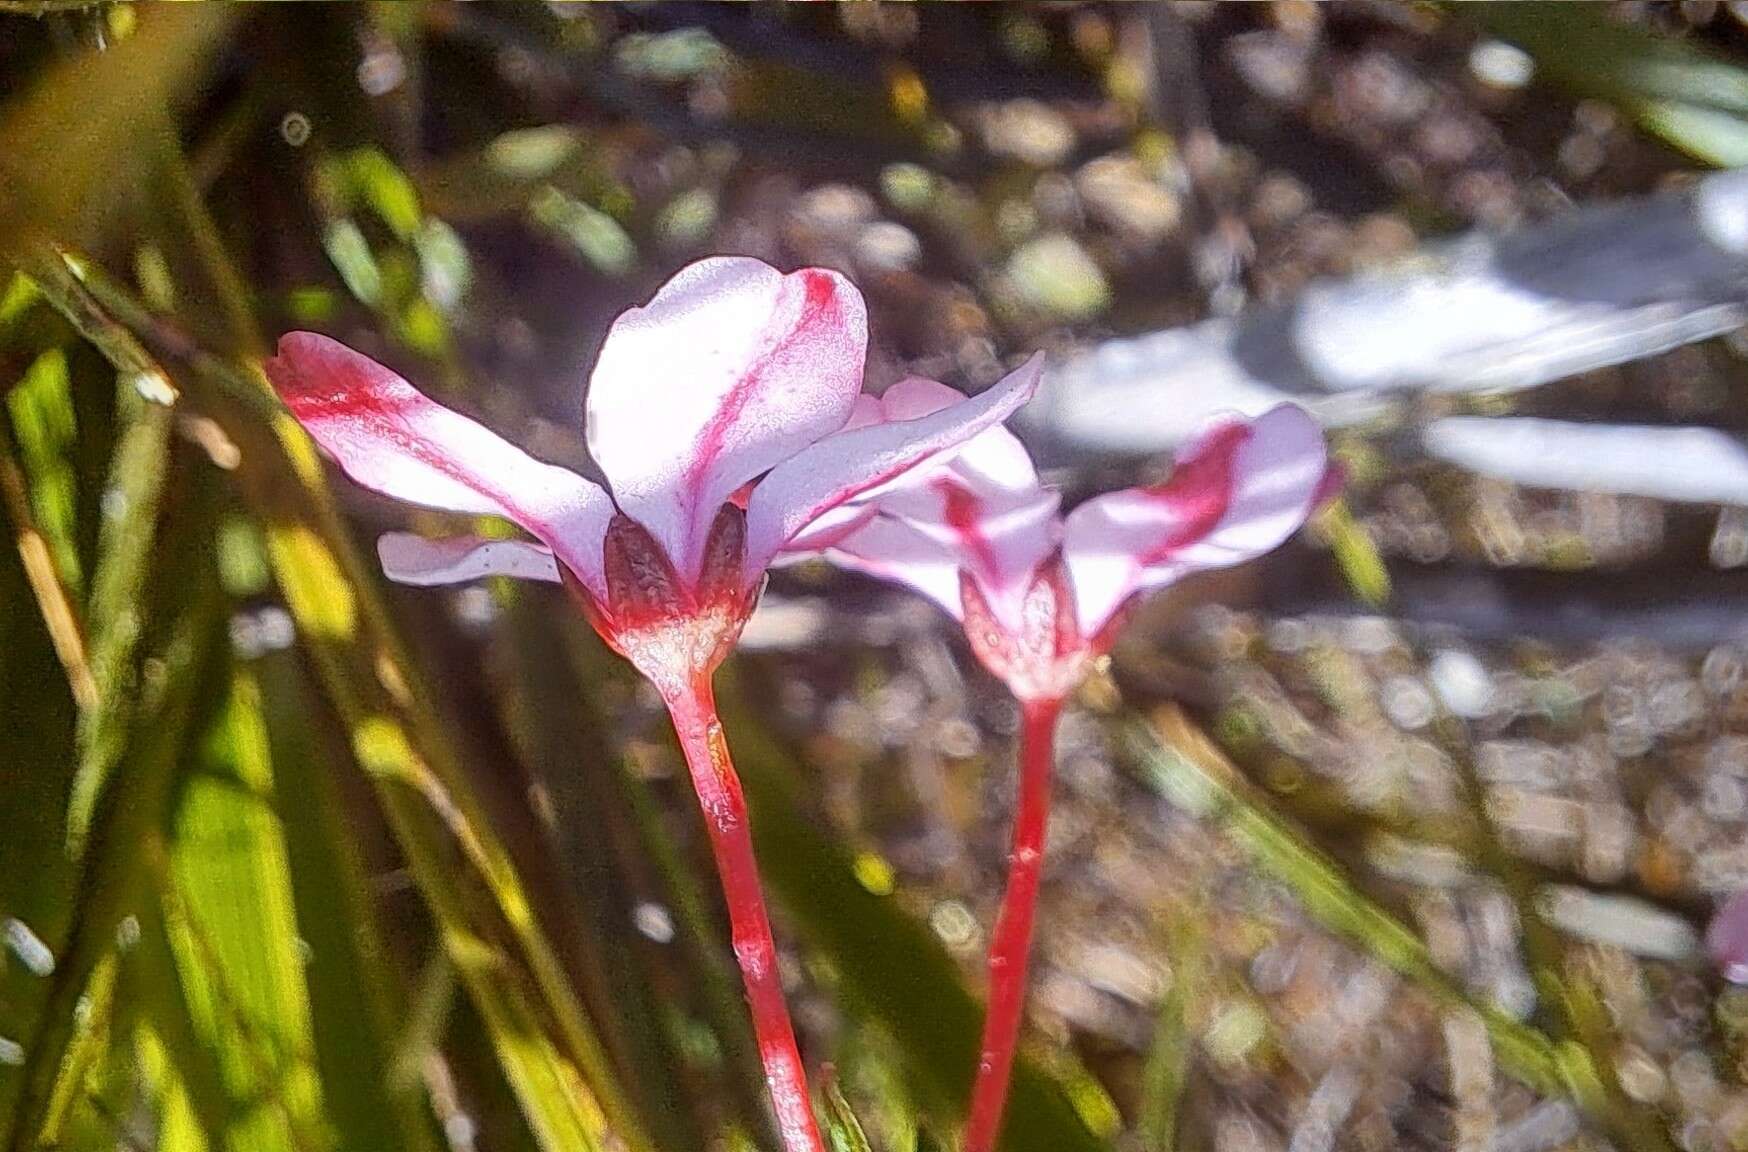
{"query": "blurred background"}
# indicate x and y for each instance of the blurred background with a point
(1405, 836)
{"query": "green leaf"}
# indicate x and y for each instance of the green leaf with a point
(533, 153)
(383, 186)
(841, 1126)
(350, 251)
(356, 1000)
(488, 925)
(70, 184)
(590, 233)
(1694, 99)
(234, 933)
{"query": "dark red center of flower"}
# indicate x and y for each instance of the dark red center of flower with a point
(1046, 656)
(672, 630)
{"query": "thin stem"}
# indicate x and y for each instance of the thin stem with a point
(693, 708)
(1012, 944)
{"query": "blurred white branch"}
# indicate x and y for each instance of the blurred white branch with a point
(1701, 465)
(1601, 286)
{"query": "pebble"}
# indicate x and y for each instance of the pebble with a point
(1407, 703)
(885, 246)
(1054, 274)
(1628, 923)
(1501, 65)
(1028, 130)
(1119, 193)
(1463, 683)
(835, 209)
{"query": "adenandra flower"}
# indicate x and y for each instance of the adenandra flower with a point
(1041, 597)
(727, 418)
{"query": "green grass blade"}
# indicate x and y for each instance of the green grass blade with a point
(69, 185)
(190, 1084)
(541, 701)
(233, 930)
(355, 997)
(45, 427)
(1184, 765)
(544, 1038)
(36, 877)
(841, 1126)
(178, 1128)
(1691, 98)
(136, 475)
(1163, 1080)
(125, 857)
(55, 599)
(112, 619)
(80, 1080)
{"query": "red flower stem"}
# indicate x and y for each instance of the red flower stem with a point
(693, 709)
(1012, 944)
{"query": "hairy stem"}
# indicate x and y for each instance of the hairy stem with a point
(693, 708)
(1012, 943)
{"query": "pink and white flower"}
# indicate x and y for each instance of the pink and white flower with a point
(1040, 594)
(734, 375)
(728, 418)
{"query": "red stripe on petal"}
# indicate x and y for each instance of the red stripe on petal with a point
(1198, 491)
(963, 512)
(819, 295)
(389, 437)
(841, 467)
(379, 411)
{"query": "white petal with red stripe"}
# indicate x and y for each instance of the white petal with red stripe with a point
(390, 437)
(730, 369)
(1241, 490)
(993, 459)
(1001, 539)
(845, 465)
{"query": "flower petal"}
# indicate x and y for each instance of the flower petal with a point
(982, 501)
(730, 369)
(824, 531)
(993, 459)
(893, 550)
(390, 437)
(1240, 491)
(420, 560)
(1727, 938)
(843, 466)
(1000, 538)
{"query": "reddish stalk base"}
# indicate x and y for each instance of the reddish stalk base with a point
(725, 814)
(1012, 944)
